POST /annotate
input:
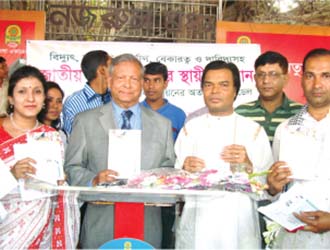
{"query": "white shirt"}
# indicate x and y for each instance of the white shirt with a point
(306, 149)
(230, 221)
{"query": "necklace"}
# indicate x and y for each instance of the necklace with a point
(19, 128)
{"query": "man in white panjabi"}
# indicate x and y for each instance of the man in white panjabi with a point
(214, 141)
(301, 148)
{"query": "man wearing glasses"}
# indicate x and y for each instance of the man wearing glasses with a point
(272, 106)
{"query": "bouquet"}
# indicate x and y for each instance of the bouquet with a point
(209, 179)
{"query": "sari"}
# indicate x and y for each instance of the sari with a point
(51, 222)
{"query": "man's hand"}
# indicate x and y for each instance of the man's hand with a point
(193, 164)
(317, 221)
(278, 177)
(237, 154)
(104, 176)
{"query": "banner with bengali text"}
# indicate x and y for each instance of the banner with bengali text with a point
(60, 62)
(293, 41)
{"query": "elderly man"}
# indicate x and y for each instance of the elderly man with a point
(221, 139)
(87, 152)
(301, 146)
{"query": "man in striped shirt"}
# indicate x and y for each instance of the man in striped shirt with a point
(272, 106)
(95, 66)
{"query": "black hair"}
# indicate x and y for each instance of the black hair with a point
(21, 73)
(56, 124)
(214, 65)
(91, 61)
(272, 57)
(2, 59)
(155, 68)
(315, 53)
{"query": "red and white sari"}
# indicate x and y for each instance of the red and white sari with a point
(46, 223)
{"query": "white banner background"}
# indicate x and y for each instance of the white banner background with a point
(60, 62)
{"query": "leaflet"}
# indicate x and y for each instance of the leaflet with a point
(300, 165)
(281, 211)
(124, 155)
(47, 155)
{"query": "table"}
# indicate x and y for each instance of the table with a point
(127, 198)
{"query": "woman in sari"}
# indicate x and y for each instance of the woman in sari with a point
(51, 222)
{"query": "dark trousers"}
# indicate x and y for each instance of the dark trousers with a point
(82, 215)
(168, 217)
(262, 222)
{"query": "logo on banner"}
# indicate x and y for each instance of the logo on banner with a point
(243, 39)
(13, 36)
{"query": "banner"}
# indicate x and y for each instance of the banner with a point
(60, 62)
(16, 27)
(293, 41)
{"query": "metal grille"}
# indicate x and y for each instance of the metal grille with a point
(137, 20)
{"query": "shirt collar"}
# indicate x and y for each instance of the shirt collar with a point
(118, 110)
(145, 103)
(284, 105)
(90, 93)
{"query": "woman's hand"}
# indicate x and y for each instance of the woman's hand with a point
(23, 168)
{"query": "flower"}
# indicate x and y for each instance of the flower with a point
(176, 179)
(271, 234)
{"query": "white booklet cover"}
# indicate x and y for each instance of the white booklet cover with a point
(49, 164)
(301, 164)
(124, 155)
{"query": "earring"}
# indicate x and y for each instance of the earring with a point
(10, 108)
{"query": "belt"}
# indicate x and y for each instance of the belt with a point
(112, 203)
(101, 202)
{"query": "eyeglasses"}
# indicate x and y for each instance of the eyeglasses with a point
(273, 75)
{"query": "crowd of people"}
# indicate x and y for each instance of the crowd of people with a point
(262, 135)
